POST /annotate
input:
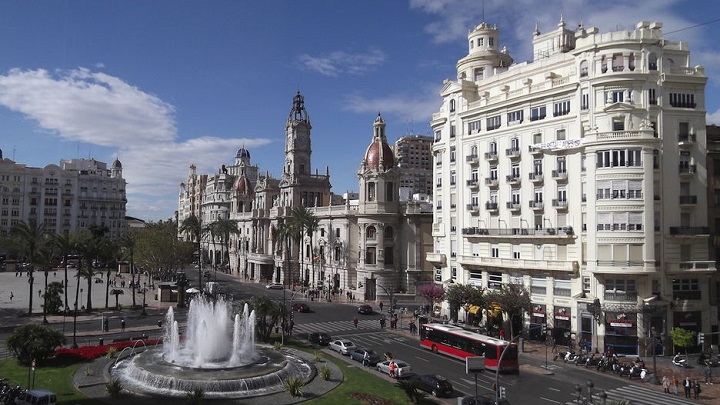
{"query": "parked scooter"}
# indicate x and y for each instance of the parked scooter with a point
(680, 361)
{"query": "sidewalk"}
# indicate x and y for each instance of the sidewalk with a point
(710, 392)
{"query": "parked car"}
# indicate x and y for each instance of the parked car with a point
(365, 309)
(436, 385)
(343, 346)
(300, 307)
(402, 369)
(359, 355)
(34, 397)
(319, 338)
(275, 286)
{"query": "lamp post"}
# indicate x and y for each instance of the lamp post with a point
(595, 309)
(144, 312)
(654, 379)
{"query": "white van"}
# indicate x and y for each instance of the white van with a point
(36, 397)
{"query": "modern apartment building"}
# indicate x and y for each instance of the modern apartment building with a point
(582, 176)
(75, 194)
(414, 159)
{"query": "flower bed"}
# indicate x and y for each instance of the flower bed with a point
(85, 353)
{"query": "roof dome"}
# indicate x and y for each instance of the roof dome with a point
(116, 164)
(379, 153)
(243, 153)
(242, 185)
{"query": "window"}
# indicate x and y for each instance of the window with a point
(370, 233)
(370, 256)
(538, 195)
(686, 289)
(652, 97)
(537, 113)
(618, 124)
(493, 173)
(562, 194)
(561, 108)
(614, 96)
(516, 253)
(493, 123)
(619, 221)
(515, 198)
(561, 165)
(619, 158)
(452, 131)
(481, 41)
(492, 147)
(491, 41)
(494, 251)
(560, 135)
(537, 166)
(618, 62)
(515, 144)
(515, 117)
(620, 286)
(652, 62)
(438, 274)
(613, 189)
(479, 74)
(388, 255)
(452, 154)
(474, 127)
(584, 68)
(494, 280)
(371, 191)
(438, 136)
(515, 170)
(603, 64)
(452, 105)
(586, 284)
(682, 100)
(584, 100)
(453, 177)
(537, 138)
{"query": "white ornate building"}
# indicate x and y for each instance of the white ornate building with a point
(73, 195)
(581, 175)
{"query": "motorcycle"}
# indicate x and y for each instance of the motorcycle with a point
(571, 357)
(636, 372)
(680, 361)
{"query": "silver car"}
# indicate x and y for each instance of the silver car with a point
(401, 368)
(343, 347)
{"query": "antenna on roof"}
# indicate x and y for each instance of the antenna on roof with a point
(483, 10)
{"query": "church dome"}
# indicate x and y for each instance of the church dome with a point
(379, 154)
(116, 164)
(242, 185)
(243, 153)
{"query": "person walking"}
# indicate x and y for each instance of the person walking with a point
(11, 295)
(666, 384)
(355, 321)
(696, 389)
(381, 306)
(708, 370)
(366, 359)
(687, 384)
(122, 324)
(393, 366)
(675, 384)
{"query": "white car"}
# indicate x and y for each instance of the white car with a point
(343, 346)
(401, 368)
(275, 286)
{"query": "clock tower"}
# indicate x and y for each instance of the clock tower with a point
(297, 140)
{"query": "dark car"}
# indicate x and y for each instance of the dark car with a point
(359, 355)
(365, 309)
(436, 385)
(319, 338)
(300, 307)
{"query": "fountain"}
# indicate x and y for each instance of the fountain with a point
(217, 354)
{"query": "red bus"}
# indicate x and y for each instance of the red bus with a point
(460, 343)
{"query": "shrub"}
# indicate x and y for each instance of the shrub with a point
(278, 346)
(410, 390)
(195, 397)
(325, 372)
(112, 351)
(37, 342)
(86, 353)
(293, 386)
(114, 388)
(317, 356)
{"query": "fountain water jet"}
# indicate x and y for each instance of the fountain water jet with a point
(218, 355)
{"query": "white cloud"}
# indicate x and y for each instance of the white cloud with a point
(337, 63)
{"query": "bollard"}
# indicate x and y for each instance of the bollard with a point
(159, 324)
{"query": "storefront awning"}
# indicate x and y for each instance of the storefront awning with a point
(474, 309)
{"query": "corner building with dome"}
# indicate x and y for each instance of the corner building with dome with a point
(582, 176)
(370, 244)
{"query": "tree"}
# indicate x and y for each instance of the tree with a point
(128, 243)
(464, 296)
(53, 302)
(107, 255)
(65, 245)
(682, 338)
(30, 234)
(514, 299)
(432, 293)
(308, 225)
(225, 228)
(45, 260)
(282, 237)
(33, 341)
(117, 292)
(192, 225)
(267, 315)
(90, 244)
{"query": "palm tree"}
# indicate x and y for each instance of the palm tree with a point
(117, 292)
(29, 233)
(45, 259)
(193, 226)
(299, 218)
(107, 255)
(283, 235)
(225, 228)
(65, 244)
(310, 223)
(128, 243)
(89, 248)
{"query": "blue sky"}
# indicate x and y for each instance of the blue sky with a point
(163, 84)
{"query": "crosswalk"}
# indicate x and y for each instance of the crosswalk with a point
(639, 395)
(337, 326)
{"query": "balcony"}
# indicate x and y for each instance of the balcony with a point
(694, 266)
(517, 264)
(491, 182)
(535, 151)
(491, 156)
(620, 296)
(473, 184)
(560, 175)
(472, 160)
(689, 230)
(686, 170)
(512, 153)
(536, 205)
(688, 200)
(438, 259)
(513, 206)
(474, 209)
(515, 233)
(513, 180)
(686, 140)
(491, 207)
(536, 177)
(560, 204)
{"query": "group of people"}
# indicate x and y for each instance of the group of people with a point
(692, 388)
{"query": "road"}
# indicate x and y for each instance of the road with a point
(534, 385)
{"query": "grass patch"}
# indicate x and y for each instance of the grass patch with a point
(54, 375)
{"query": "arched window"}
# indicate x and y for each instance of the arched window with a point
(584, 68)
(389, 232)
(603, 64)
(652, 61)
(370, 233)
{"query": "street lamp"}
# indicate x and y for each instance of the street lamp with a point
(144, 312)
(654, 379)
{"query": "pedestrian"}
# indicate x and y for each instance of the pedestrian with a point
(11, 295)
(355, 321)
(696, 389)
(366, 359)
(666, 384)
(393, 366)
(39, 293)
(688, 386)
(292, 324)
(381, 306)
(502, 334)
(122, 324)
(675, 384)
(708, 370)
(382, 323)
